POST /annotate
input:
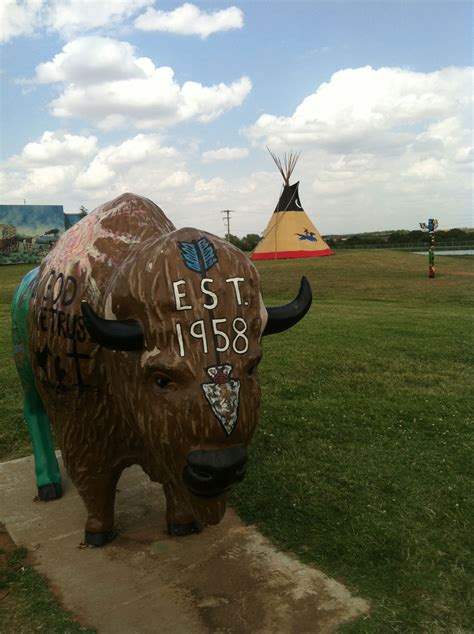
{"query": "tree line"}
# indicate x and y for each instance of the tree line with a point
(402, 237)
(247, 243)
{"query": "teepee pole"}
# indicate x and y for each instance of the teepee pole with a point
(275, 238)
(289, 163)
(286, 169)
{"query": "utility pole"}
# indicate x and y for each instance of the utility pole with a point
(226, 219)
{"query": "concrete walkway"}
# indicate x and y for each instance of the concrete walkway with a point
(229, 579)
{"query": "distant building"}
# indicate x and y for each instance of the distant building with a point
(71, 219)
(29, 230)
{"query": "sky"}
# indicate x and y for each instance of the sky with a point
(178, 102)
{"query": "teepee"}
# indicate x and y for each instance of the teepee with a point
(290, 233)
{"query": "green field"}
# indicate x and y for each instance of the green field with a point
(362, 463)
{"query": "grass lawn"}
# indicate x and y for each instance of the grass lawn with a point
(362, 463)
(14, 441)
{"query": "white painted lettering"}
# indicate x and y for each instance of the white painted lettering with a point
(240, 334)
(178, 295)
(179, 334)
(220, 333)
(206, 291)
(235, 281)
(199, 335)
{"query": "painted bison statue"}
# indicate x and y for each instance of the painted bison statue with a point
(140, 343)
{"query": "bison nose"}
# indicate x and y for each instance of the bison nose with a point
(212, 472)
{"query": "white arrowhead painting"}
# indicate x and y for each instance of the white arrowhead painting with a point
(223, 395)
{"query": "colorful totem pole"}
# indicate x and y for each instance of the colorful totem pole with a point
(431, 228)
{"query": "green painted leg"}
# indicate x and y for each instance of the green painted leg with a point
(48, 478)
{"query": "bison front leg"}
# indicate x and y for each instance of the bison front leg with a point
(98, 495)
(180, 518)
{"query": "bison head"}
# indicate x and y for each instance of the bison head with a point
(181, 323)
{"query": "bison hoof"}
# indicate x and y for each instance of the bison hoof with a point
(50, 491)
(99, 539)
(180, 530)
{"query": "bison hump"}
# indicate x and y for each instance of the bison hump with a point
(98, 243)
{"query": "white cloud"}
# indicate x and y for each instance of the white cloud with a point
(92, 175)
(41, 182)
(225, 154)
(97, 175)
(428, 168)
(175, 180)
(106, 84)
(18, 18)
(65, 17)
(91, 60)
(380, 145)
(72, 16)
(365, 107)
(114, 163)
(56, 148)
(190, 20)
(373, 165)
(140, 148)
(208, 190)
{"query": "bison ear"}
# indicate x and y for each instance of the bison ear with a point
(113, 334)
(281, 318)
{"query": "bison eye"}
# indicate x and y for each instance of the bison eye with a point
(162, 381)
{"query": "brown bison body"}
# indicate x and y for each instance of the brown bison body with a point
(144, 342)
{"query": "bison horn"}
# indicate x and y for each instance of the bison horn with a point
(126, 334)
(281, 318)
